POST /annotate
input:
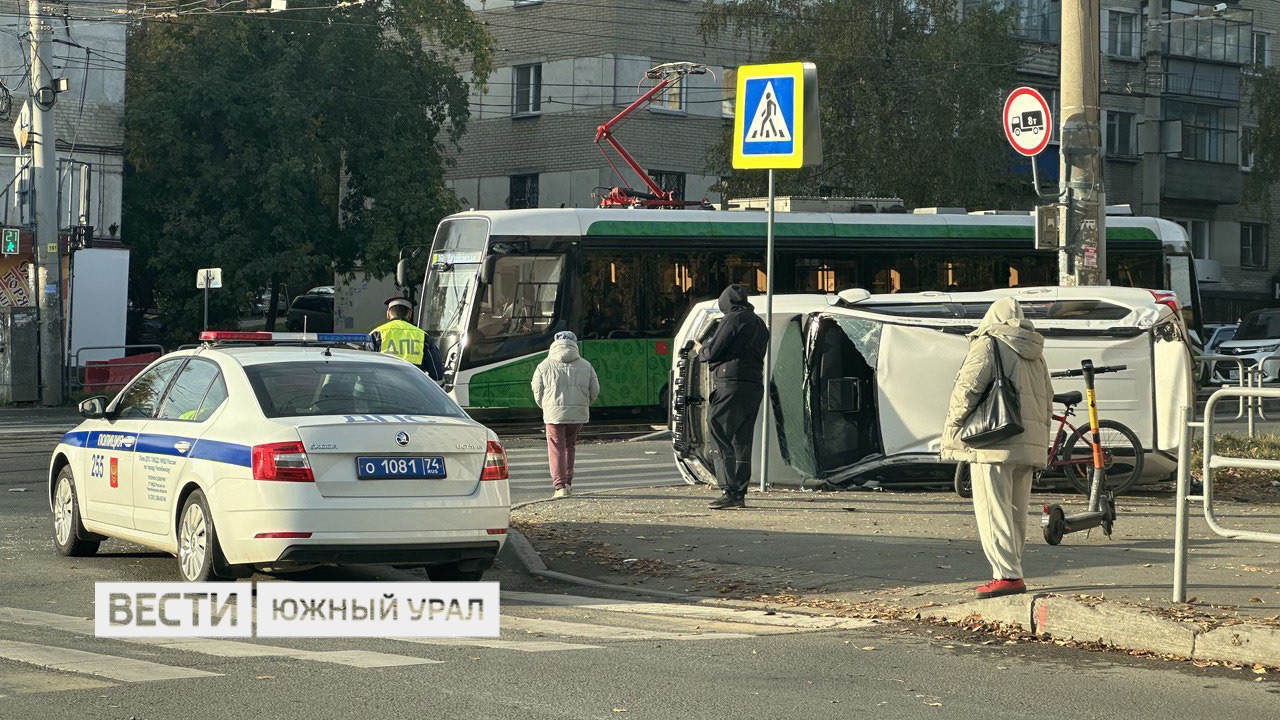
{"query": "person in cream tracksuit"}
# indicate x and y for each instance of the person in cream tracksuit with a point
(1002, 470)
(564, 386)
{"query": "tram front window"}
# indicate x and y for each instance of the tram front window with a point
(521, 299)
(454, 263)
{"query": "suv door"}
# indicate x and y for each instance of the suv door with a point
(165, 445)
(108, 486)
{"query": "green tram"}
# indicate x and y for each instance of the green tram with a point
(500, 284)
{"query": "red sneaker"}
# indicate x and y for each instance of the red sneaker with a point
(998, 587)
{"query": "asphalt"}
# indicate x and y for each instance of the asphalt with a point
(563, 653)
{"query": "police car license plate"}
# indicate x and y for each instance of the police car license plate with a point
(383, 468)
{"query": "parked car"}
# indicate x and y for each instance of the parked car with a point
(1216, 334)
(1257, 338)
(310, 313)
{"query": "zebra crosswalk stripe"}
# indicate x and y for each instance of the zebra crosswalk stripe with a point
(216, 647)
(107, 666)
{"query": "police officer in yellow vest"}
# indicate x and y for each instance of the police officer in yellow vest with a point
(405, 340)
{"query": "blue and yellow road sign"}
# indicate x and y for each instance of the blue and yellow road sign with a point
(776, 117)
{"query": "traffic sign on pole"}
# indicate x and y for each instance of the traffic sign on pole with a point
(775, 127)
(776, 117)
(1028, 123)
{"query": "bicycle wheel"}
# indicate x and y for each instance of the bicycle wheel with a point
(1121, 457)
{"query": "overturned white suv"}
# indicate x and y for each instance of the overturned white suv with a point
(861, 382)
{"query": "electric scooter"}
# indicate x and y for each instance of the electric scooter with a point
(1102, 506)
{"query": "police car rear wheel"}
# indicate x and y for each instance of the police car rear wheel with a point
(67, 529)
(198, 548)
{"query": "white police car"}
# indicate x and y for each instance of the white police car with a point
(242, 457)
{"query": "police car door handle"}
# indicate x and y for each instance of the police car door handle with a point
(182, 446)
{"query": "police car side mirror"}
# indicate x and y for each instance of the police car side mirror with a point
(94, 407)
(402, 268)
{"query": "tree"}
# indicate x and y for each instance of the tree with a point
(910, 90)
(282, 146)
(1264, 178)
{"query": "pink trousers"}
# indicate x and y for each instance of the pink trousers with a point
(560, 445)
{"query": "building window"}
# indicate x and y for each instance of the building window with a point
(528, 90)
(672, 98)
(1198, 232)
(1262, 48)
(1118, 129)
(1038, 19)
(1209, 132)
(1246, 148)
(1120, 36)
(672, 182)
(1253, 245)
(524, 192)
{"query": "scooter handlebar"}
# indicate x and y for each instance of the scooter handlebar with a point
(1077, 372)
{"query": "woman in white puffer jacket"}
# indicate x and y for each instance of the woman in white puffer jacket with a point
(564, 386)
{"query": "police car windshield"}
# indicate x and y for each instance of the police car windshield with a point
(298, 389)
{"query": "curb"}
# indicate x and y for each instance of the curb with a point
(1120, 626)
(1062, 618)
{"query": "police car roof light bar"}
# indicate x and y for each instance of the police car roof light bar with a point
(214, 336)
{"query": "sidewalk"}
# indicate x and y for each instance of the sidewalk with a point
(902, 554)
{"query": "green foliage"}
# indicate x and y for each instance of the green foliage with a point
(1264, 87)
(249, 136)
(910, 90)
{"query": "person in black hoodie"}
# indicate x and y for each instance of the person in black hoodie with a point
(735, 355)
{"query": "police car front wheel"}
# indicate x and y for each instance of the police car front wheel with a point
(67, 529)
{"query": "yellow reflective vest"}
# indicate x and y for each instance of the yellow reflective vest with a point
(404, 340)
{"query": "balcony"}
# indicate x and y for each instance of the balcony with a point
(1202, 182)
(1218, 39)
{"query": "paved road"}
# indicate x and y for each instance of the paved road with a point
(26, 442)
(561, 654)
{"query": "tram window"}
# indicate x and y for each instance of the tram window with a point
(1030, 270)
(521, 300)
(824, 276)
(893, 273)
(948, 272)
(611, 297)
(681, 282)
(1136, 269)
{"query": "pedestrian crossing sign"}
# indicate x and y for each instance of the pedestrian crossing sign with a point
(772, 105)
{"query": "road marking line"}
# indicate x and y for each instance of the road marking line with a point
(216, 647)
(636, 462)
(518, 645)
(729, 615)
(107, 666)
(613, 632)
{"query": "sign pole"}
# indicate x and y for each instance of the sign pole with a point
(206, 299)
(768, 348)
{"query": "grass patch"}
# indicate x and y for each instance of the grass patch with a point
(1241, 483)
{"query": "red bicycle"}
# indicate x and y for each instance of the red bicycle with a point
(1071, 454)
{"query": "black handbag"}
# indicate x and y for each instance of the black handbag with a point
(998, 415)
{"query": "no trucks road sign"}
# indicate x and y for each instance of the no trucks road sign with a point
(1028, 123)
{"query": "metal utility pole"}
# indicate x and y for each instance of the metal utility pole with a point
(1082, 239)
(44, 173)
